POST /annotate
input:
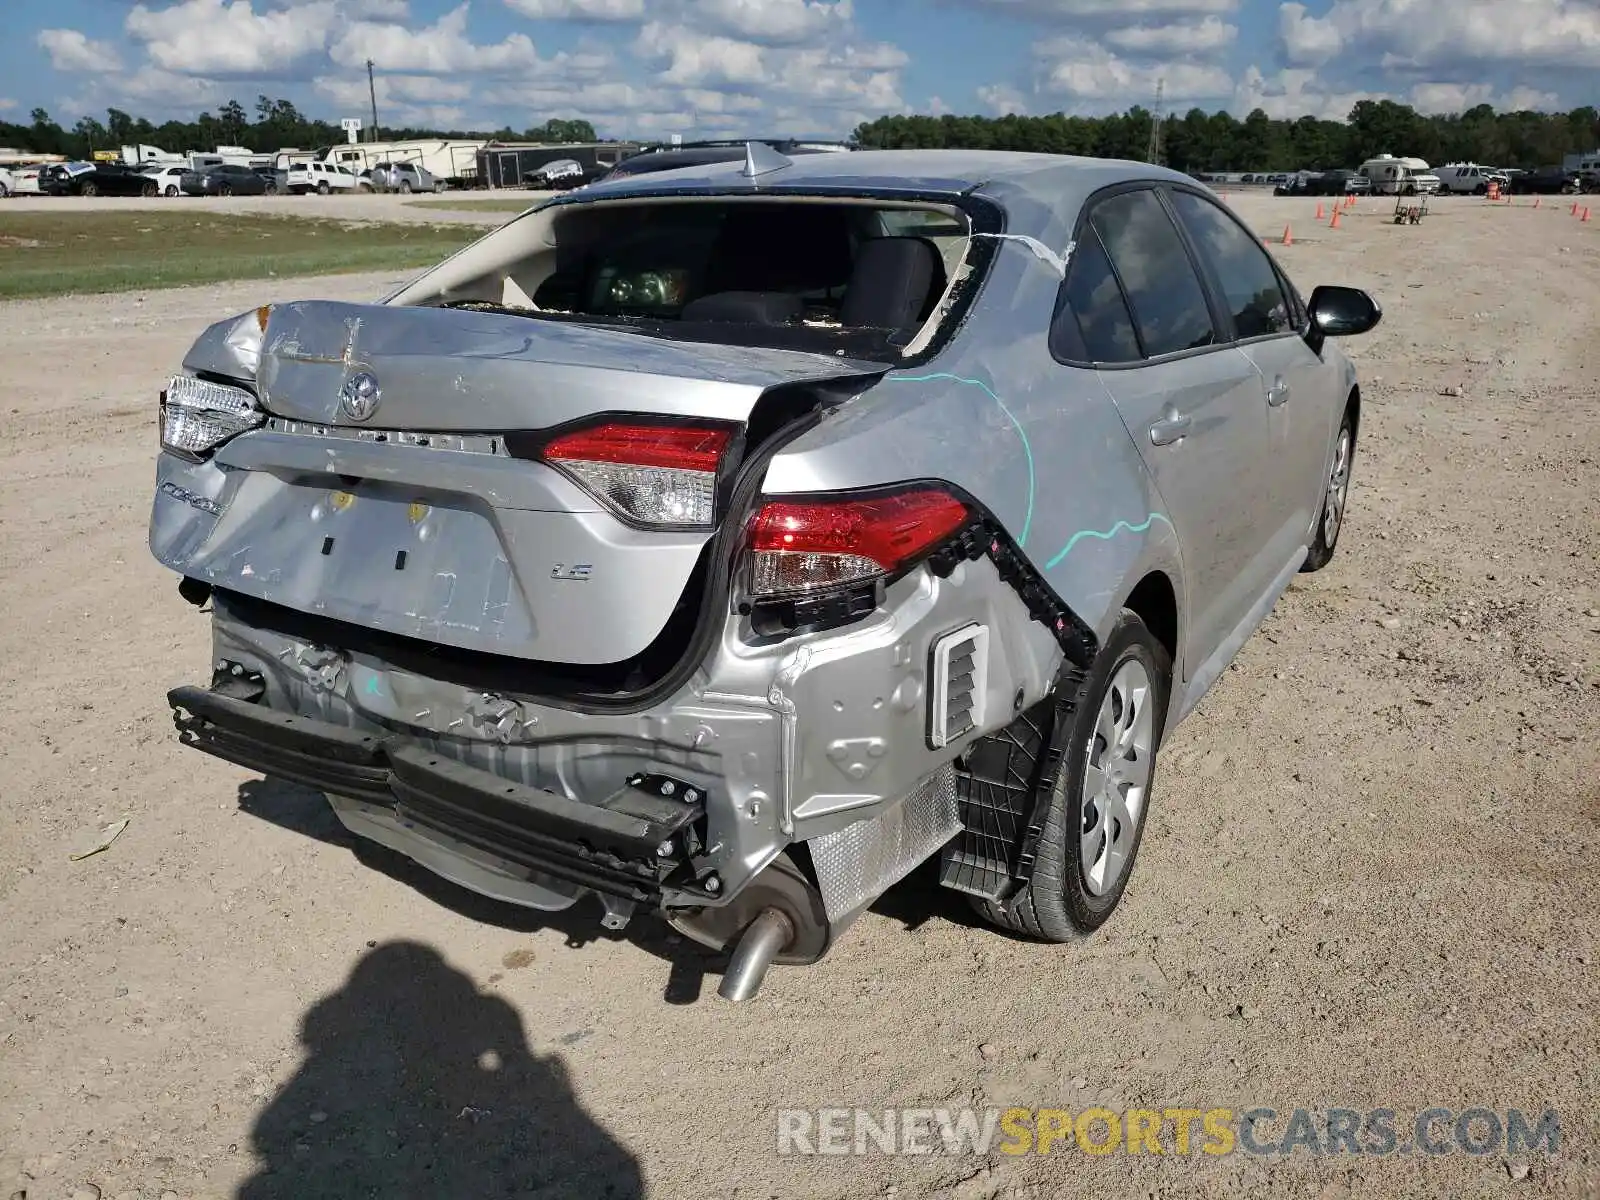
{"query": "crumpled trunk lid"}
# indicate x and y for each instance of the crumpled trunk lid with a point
(442, 534)
(462, 370)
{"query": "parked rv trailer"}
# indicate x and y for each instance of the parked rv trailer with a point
(452, 163)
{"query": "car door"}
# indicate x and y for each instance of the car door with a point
(1300, 393)
(1192, 403)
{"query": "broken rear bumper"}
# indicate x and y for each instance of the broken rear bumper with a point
(633, 847)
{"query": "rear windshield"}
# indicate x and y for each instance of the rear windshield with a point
(855, 275)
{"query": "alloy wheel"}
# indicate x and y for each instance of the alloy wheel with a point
(1338, 490)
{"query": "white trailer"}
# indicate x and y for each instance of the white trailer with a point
(450, 162)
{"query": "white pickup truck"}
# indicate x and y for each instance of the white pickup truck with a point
(1470, 179)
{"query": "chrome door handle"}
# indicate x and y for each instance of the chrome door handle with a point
(1278, 392)
(1171, 428)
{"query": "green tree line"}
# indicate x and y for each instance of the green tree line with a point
(1201, 141)
(1196, 141)
(276, 124)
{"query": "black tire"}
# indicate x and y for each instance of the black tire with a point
(172, 189)
(89, 189)
(149, 189)
(1056, 904)
(1322, 545)
(323, 189)
(405, 187)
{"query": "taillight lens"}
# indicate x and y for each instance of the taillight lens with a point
(649, 474)
(198, 415)
(798, 547)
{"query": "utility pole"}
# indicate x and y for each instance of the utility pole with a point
(372, 93)
(1153, 151)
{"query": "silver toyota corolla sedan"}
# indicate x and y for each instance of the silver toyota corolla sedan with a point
(726, 542)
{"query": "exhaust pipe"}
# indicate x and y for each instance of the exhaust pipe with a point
(762, 941)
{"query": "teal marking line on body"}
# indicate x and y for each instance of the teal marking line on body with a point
(1027, 450)
(1141, 527)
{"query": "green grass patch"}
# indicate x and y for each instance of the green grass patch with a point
(53, 254)
(511, 206)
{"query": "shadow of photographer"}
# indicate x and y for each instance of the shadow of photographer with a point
(417, 1084)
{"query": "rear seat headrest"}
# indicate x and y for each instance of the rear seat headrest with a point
(894, 284)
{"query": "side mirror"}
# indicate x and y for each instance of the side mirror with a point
(1342, 311)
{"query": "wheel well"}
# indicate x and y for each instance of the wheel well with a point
(1353, 407)
(1157, 605)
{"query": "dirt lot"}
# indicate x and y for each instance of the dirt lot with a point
(1369, 877)
(386, 206)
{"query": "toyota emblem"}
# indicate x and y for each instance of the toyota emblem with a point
(358, 398)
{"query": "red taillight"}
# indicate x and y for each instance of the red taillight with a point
(677, 447)
(800, 546)
(650, 474)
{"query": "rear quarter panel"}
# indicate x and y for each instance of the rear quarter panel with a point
(1039, 444)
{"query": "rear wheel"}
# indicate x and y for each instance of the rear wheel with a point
(1109, 730)
(323, 189)
(149, 189)
(225, 190)
(405, 187)
(1335, 499)
(89, 189)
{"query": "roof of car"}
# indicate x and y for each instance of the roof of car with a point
(934, 171)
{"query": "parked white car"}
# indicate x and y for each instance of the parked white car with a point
(166, 177)
(7, 182)
(319, 177)
(25, 181)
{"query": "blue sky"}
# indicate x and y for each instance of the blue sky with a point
(771, 67)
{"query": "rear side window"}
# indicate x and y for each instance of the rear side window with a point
(1254, 295)
(1092, 322)
(1168, 303)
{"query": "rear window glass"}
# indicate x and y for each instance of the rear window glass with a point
(654, 261)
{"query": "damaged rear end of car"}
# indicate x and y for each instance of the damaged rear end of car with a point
(492, 563)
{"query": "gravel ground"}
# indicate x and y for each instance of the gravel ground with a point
(1368, 878)
(370, 206)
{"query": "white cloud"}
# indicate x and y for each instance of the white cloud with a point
(1205, 36)
(1527, 99)
(693, 59)
(774, 22)
(7, 104)
(440, 48)
(1295, 92)
(599, 11)
(215, 37)
(1087, 71)
(70, 50)
(1525, 33)
(1119, 9)
(1002, 99)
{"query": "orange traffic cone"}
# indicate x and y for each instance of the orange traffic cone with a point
(1536, 200)
(1334, 224)
(1288, 239)
(1574, 208)
(1585, 212)
(1350, 200)
(1320, 213)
